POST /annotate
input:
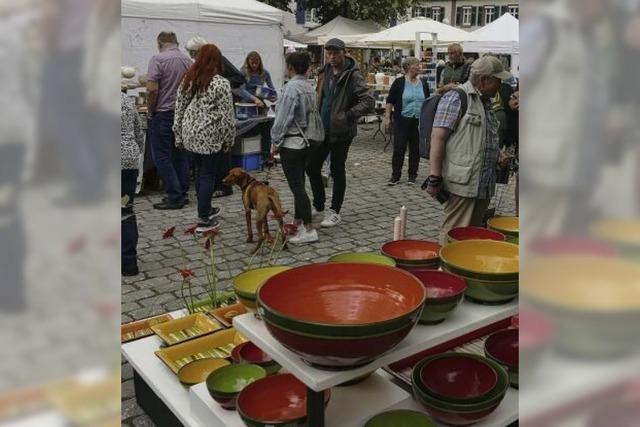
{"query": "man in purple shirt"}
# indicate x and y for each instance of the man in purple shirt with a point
(166, 70)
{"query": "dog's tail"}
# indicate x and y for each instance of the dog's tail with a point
(276, 205)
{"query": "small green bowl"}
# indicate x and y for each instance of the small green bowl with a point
(401, 418)
(225, 383)
(363, 257)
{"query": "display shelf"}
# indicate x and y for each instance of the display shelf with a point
(561, 381)
(159, 378)
(349, 406)
(467, 318)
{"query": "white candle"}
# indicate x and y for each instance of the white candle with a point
(403, 222)
(397, 228)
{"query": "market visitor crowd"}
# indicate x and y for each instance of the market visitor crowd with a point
(192, 124)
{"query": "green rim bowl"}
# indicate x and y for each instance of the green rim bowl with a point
(225, 383)
(246, 284)
(488, 292)
(444, 293)
(507, 225)
(401, 418)
(363, 257)
(413, 253)
(482, 259)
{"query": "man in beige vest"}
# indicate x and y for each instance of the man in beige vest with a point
(465, 150)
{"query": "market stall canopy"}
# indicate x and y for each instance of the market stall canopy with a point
(500, 36)
(351, 40)
(220, 11)
(405, 33)
(340, 26)
(291, 43)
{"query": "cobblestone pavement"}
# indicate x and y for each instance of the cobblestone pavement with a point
(368, 213)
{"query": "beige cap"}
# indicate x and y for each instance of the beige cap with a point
(490, 66)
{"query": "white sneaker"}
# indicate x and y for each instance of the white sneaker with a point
(316, 216)
(304, 236)
(331, 219)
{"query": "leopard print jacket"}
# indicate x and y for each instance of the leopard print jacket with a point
(205, 123)
(131, 134)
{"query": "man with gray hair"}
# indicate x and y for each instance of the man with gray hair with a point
(456, 69)
(465, 150)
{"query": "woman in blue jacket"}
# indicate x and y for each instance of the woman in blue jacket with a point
(405, 99)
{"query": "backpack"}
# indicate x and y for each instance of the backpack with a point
(428, 115)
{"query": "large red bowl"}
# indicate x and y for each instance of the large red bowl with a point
(503, 347)
(413, 253)
(276, 400)
(458, 378)
(340, 315)
(468, 233)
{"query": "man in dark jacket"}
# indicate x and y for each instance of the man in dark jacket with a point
(342, 98)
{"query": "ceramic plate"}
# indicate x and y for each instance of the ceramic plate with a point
(185, 328)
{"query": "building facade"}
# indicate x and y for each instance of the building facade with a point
(466, 14)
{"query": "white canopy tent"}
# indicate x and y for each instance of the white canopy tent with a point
(340, 27)
(291, 43)
(500, 36)
(236, 27)
(405, 33)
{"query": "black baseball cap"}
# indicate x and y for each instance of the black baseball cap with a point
(334, 44)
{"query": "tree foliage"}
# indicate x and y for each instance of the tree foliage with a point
(380, 11)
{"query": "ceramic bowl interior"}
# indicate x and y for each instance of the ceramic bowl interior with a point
(276, 399)
(246, 284)
(401, 418)
(482, 256)
(503, 346)
(469, 233)
(411, 250)
(233, 378)
(235, 353)
(363, 257)
(440, 284)
(251, 353)
(342, 293)
(457, 377)
(509, 224)
(197, 371)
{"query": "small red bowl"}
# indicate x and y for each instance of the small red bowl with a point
(441, 286)
(503, 346)
(235, 353)
(413, 253)
(458, 378)
(275, 400)
(251, 353)
(468, 233)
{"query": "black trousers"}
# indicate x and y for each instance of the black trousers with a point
(406, 134)
(129, 255)
(339, 151)
(294, 164)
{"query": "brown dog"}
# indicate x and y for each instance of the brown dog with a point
(258, 196)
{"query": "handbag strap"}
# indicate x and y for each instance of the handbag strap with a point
(306, 141)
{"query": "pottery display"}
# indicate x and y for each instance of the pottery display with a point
(503, 347)
(410, 254)
(474, 233)
(366, 257)
(507, 225)
(246, 284)
(226, 383)
(445, 291)
(197, 371)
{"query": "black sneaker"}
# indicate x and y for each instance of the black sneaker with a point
(215, 212)
(166, 200)
(168, 205)
(130, 271)
(393, 181)
(411, 181)
(206, 225)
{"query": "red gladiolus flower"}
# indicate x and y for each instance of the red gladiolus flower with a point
(207, 244)
(186, 272)
(169, 233)
(191, 230)
(211, 233)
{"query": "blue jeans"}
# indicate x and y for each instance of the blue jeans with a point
(209, 167)
(129, 228)
(172, 164)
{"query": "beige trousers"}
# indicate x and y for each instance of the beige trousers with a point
(462, 212)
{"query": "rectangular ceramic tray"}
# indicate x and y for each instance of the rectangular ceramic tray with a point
(185, 328)
(470, 343)
(141, 328)
(224, 315)
(219, 344)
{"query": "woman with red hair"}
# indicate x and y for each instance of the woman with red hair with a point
(205, 125)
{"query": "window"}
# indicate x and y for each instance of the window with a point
(418, 11)
(436, 14)
(489, 14)
(513, 9)
(466, 16)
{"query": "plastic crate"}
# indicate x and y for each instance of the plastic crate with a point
(248, 162)
(250, 145)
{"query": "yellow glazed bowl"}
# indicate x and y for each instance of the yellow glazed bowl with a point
(486, 259)
(246, 284)
(507, 225)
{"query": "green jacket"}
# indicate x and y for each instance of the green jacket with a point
(351, 100)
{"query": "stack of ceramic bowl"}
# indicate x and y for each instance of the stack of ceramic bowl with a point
(444, 293)
(226, 383)
(507, 225)
(248, 352)
(363, 257)
(276, 401)
(503, 347)
(474, 233)
(246, 284)
(341, 315)
(413, 254)
(490, 268)
(459, 388)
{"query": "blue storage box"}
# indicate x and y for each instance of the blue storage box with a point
(248, 162)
